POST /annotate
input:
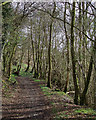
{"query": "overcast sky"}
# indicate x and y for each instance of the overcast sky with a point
(51, 0)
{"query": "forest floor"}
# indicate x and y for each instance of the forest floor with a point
(31, 100)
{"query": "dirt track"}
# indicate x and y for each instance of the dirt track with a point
(28, 103)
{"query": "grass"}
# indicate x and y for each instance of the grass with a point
(52, 103)
(54, 110)
(78, 112)
(24, 66)
(47, 91)
(61, 115)
(86, 111)
(37, 80)
(25, 74)
(41, 85)
(6, 85)
(22, 71)
(8, 82)
(14, 67)
(12, 79)
(61, 93)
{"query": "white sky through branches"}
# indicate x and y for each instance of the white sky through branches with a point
(47, 0)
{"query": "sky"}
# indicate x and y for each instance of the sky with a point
(46, 0)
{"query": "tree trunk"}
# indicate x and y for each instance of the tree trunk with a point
(95, 63)
(10, 61)
(88, 76)
(83, 95)
(4, 58)
(67, 42)
(95, 74)
(49, 58)
(20, 63)
(28, 61)
(80, 42)
(41, 60)
(32, 43)
(84, 38)
(73, 55)
(38, 55)
(49, 50)
(35, 69)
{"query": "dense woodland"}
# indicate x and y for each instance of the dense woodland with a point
(56, 41)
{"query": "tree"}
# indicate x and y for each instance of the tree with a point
(73, 55)
(94, 57)
(28, 62)
(67, 42)
(95, 74)
(7, 13)
(62, 44)
(49, 49)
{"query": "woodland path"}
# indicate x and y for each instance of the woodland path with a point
(29, 103)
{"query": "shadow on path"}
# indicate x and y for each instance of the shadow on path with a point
(28, 104)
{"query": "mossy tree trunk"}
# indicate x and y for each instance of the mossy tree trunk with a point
(10, 60)
(83, 95)
(84, 18)
(49, 49)
(95, 73)
(73, 55)
(33, 49)
(88, 75)
(41, 61)
(95, 62)
(28, 62)
(67, 43)
(49, 58)
(4, 56)
(80, 43)
(20, 62)
(38, 54)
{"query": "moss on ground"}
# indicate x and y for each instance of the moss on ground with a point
(86, 111)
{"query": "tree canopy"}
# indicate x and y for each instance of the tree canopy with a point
(57, 42)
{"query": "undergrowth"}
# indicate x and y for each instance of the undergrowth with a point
(85, 111)
(8, 84)
(25, 74)
(64, 114)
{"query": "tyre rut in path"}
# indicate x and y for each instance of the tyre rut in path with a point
(28, 104)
